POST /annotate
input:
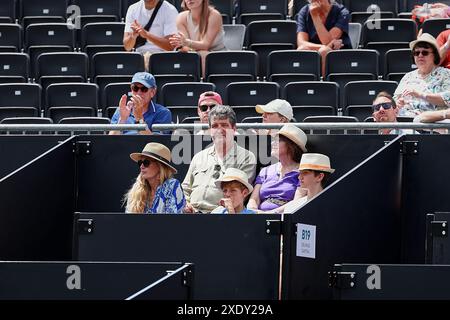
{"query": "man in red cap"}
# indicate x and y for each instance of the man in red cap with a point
(206, 102)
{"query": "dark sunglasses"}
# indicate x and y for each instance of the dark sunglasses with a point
(385, 105)
(423, 52)
(145, 162)
(205, 107)
(135, 88)
(217, 169)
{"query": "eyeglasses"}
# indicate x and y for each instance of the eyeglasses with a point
(385, 105)
(136, 88)
(217, 169)
(205, 107)
(423, 52)
(145, 162)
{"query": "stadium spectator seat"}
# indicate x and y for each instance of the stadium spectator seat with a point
(55, 8)
(243, 112)
(234, 36)
(111, 94)
(294, 62)
(176, 63)
(390, 30)
(372, 5)
(6, 20)
(359, 112)
(272, 31)
(26, 21)
(184, 93)
(162, 79)
(362, 17)
(103, 81)
(20, 95)
(225, 7)
(102, 33)
(382, 48)
(397, 77)
(8, 10)
(231, 62)
(85, 120)
(302, 112)
(398, 61)
(49, 34)
(246, 18)
(284, 78)
(62, 64)
(14, 65)
(116, 63)
(343, 78)
(13, 112)
(72, 95)
(251, 93)
(352, 61)
(83, 20)
(93, 49)
(263, 6)
(263, 50)
(314, 93)
(364, 92)
(26, 120)
(221, 81)
(435, 26)
(182, 112)
(331, 119)
(99, 7)
(10, 37)
(35, 51)
(58, 113)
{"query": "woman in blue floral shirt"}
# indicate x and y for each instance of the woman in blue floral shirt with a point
(155, 190)
(428, 87)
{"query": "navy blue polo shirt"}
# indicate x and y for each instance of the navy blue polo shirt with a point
(337, 17)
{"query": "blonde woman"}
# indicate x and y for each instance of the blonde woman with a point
(155, 190)
(200, 29)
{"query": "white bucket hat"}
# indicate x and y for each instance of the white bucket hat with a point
(425, 37)
(233, 174)
(278, 105)
(294, 134)
(316, 162)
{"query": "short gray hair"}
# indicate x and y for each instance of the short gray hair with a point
(222, 112)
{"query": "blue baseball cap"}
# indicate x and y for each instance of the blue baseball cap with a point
(144, 78)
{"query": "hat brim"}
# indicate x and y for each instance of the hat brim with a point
(234, 178)
(138, 155)
(260, 108)
(432, 43)
(315, 167)
(294, 140)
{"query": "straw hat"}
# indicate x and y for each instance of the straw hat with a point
(316, 162)
(155, 151)
(278, 105)
(425, 37)
(233, 174)
(294, 134)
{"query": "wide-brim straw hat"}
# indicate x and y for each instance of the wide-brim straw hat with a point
(233, 174)
(294, 134)
(425, 37)
(155, 151)
(316, 162)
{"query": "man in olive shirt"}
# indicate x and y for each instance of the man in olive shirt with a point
(202, 194)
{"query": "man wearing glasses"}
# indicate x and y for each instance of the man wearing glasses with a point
(206, 102)
(140, 109)
(385, 110)
(201, 192)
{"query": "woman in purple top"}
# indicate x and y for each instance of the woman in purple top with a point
(276, 184)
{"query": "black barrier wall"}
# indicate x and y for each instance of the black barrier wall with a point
(357, 220)
(425, 189)
(234, 255)
(36, 207)
(18, 150)
(87, 280)
(106, 173)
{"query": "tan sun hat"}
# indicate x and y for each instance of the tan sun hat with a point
(294, 134)
(233, 174)
(425, 37)
(155, 151)
(316, 162)
(278, 105)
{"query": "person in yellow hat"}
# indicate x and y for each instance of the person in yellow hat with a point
(155, 189)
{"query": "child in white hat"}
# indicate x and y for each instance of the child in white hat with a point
(235, 188)
(314, 171)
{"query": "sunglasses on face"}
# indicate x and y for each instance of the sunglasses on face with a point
(136, 88)
(217, 169)
(145, 162)
(423, 52)
(385, 105)
(205, 107)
